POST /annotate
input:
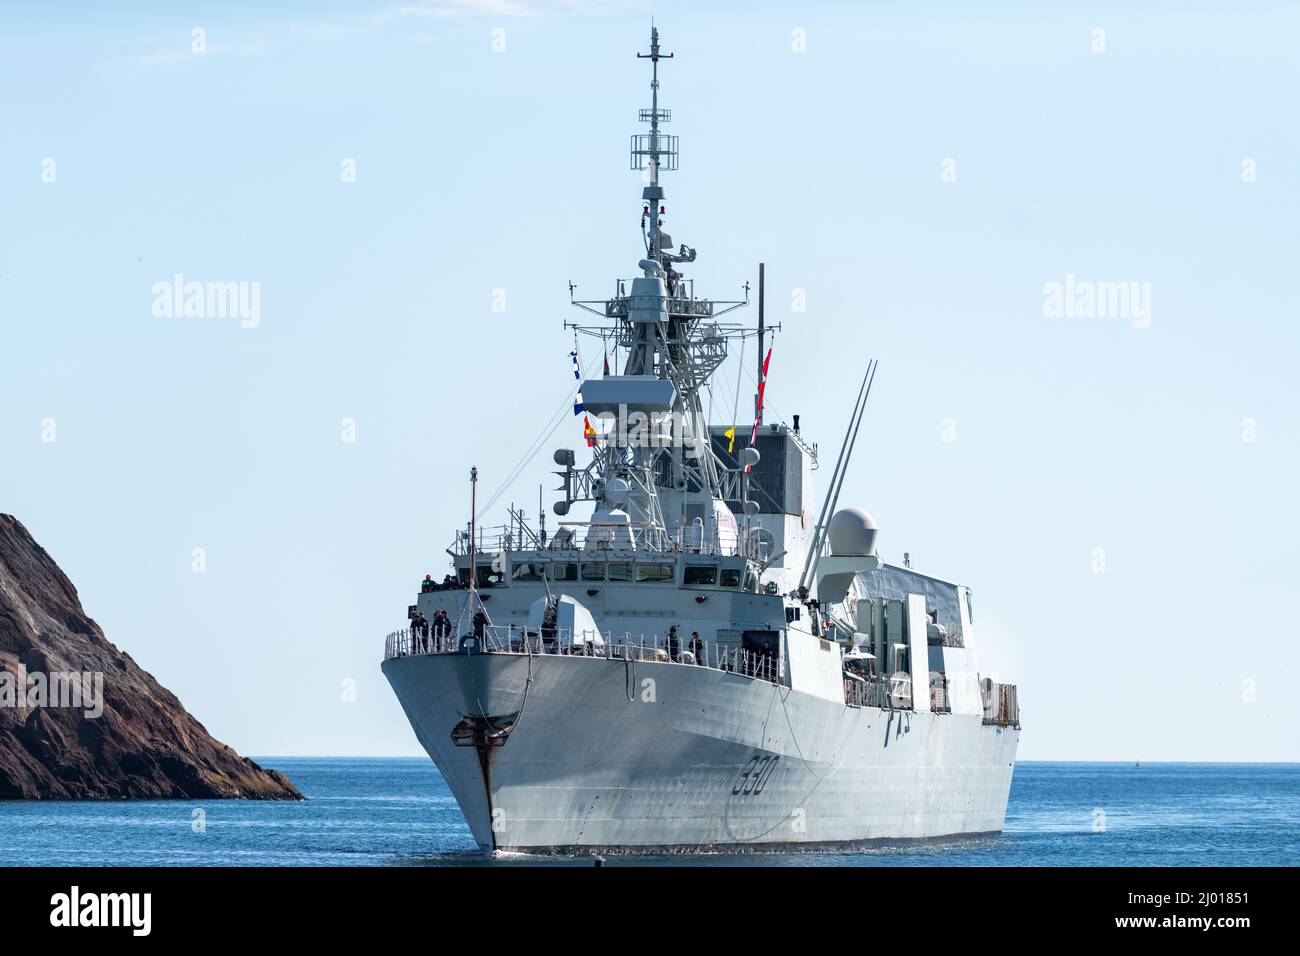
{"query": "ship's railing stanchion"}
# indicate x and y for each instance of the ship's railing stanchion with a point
(507, 639)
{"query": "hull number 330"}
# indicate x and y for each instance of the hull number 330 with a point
(754, 776)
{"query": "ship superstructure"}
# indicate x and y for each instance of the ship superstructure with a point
(711, 659)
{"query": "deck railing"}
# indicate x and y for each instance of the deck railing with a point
(886, 693)
(1001, 706)
(715, 540)
(513, 639)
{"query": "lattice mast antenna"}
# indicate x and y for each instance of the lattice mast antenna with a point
(473, 602)
(655, 147)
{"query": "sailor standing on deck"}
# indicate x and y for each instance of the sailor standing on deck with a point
(697, 647)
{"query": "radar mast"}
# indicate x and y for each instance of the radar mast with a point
(667, 475)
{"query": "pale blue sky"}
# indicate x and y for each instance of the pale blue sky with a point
(480, 170)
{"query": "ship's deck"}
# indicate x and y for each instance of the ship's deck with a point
(657, 648)
(884, 692)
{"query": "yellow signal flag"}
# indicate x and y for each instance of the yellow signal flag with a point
(730, 434)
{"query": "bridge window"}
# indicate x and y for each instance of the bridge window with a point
(700, 574)
(729, 578)
(564, 571)
(620, 571)
(592, 571)
(654, 572)
(527, 571)
(487, 578)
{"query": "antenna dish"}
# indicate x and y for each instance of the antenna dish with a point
(853, 532)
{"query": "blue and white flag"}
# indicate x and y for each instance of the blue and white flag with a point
(578, 407)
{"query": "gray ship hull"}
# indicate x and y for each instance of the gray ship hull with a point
(636, 756)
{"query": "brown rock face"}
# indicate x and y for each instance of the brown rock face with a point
(143, 745)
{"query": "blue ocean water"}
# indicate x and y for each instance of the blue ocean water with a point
(364, 811)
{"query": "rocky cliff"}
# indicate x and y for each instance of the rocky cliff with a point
(79, 719)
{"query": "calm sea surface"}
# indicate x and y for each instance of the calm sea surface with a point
(365, 812)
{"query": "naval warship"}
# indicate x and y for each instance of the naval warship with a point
(699, 664)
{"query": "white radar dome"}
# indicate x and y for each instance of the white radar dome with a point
(853, 532)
